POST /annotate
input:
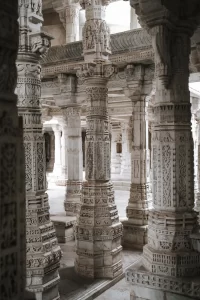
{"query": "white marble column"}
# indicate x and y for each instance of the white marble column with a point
(139, 83)
(98, 230)
(195, 106)
(197, 162)
(62, 180)
(171, 254)
(69, 16)
(126, 151)
(42, 250)
(116, 137)
(57, 162)
(74, 159)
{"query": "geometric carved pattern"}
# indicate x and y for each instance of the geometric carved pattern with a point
(169, 254)
(43, 252)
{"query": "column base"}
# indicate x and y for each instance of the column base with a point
(109, 272)
(43, 253)
(150, 286)
(98, 233)
(99, 263)
(134, 236)
(49, 279)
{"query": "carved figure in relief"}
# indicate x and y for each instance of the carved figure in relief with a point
(89, 38)
(40, 45)
(36, 7)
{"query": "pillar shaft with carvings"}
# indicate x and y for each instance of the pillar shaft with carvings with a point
(139, 83)
(12, 178)
(116, 142)
(72, 115)
(43, 252)
(98, 230)
(126, 151)
(64, 164)
(69, 16)
(57, 162)
(170, 254)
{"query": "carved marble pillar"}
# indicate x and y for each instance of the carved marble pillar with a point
(126, 151)
(43, 252)
(195, 105)
(139, 84)
(197, 204)
(52, 152)
(116, 141)
(64, 168)
(98, 230)
(12, 177)
(170, 255)
(57, 162)
(74, 158)
(69, 16)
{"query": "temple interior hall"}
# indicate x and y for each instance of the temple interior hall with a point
(99, 149)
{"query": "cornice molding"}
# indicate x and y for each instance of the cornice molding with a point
(133, 46)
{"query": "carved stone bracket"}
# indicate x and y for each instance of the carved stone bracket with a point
(40, 43)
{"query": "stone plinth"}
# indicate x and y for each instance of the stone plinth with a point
(64, 227)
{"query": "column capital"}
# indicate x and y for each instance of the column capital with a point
(166, 13)
(138, 81)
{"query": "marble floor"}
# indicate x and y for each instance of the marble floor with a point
(75, 287)
(57, 196)
(119, 291)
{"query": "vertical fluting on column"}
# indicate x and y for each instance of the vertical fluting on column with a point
(12, 175)
(57, 161)
(98, 230)
(73, 150)
(169, 253)
(43, 252)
